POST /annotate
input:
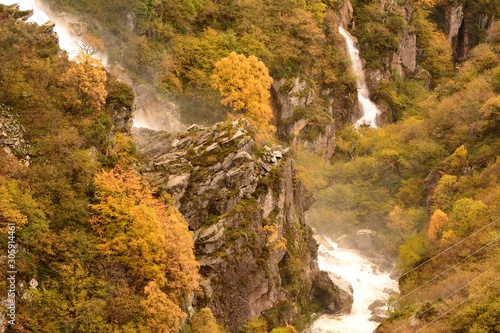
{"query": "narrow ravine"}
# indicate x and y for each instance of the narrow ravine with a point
(369, 284)
(369, 111)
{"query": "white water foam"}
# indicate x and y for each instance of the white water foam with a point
(68, 41)
(368, 109)
(368, 282)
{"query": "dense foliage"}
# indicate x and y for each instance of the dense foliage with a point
(427, 184)
(244, 83)
(175, 44)
(426, 181)
(102, 253)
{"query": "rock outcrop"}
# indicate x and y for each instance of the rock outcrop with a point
(467, 26)
(245, 207)
(290, 100)
(346, 12)
(78, 28)
(11, 136)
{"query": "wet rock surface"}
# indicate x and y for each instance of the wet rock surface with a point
(246, 208)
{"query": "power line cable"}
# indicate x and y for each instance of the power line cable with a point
(445, 250)
(449, 248)
(448, 296)
(465, 300)
(442, 272)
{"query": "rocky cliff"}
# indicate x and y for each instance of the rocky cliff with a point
(290, 100)
(466, 24)
(245, 206)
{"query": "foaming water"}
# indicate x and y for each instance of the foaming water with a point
(150, 111)
(68, 41)
(369, 110)
(368, 282)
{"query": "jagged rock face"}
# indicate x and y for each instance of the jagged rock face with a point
(11, 136)
(404, 61)
(346, 13)
(246, 207)
(78, 28)
(289, 98)
(455, 14)
(466, 27)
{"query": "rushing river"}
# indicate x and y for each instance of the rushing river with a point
(368, 282)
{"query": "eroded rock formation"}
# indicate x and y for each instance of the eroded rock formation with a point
(245, 206)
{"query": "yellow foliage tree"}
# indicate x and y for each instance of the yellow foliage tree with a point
(438, 220)
(91, 44)
(255, 325)
(161, 314)
(9, 210)
(400, 221)
(445, 192)
(204, 322)
(144, 234)
(88, 77)
(244, 83)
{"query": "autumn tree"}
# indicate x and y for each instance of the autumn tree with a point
(9, 211)
(255, 325)
(144, 234)
(90, 44)
(161, 314)
(445, 192)
(468, 215)
(88, 78)
(203, 321)
(244, 83)
(438, 220)
(400, 222)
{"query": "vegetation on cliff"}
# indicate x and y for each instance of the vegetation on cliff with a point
(96, 252)
(427, 184)
(426, 180)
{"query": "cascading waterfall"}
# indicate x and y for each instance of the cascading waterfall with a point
(368, 282)
(150, 111)
(67, 40)
(368, 109)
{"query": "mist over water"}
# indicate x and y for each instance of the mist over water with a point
(151, 110)
(68, 41)
(368, 282)
(368, 109)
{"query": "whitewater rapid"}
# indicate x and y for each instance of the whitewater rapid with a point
(68, 41)
(368, 282)
(368, 109)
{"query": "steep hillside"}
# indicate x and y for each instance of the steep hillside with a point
(246, 208)
(87, 246)
(425, 184)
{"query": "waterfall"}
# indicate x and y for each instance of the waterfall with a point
(151, 110)
(368, 109)
(68, 41)
(369, 285)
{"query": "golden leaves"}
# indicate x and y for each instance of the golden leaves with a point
(88, 77)
(244, 83)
